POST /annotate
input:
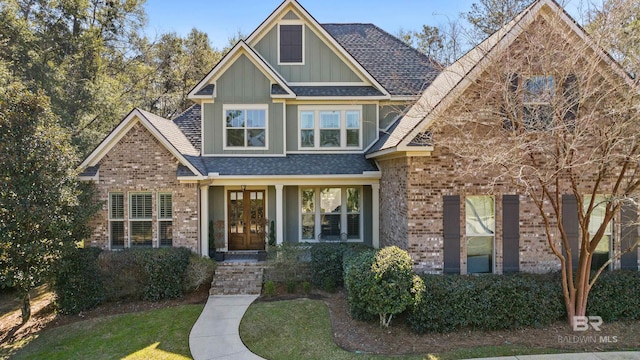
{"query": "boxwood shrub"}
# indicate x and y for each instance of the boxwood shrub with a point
(327, 263)
(616, 296)
(486, 302)
(77, 284)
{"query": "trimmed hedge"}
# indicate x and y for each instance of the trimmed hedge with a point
(327, 263)
(486, 302)
(86, 277)
(616, 296)
(77, 284)
(357, 277)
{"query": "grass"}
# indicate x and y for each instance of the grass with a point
(154, 334)
(301, 329)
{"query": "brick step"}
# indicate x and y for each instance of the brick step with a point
(237, 278)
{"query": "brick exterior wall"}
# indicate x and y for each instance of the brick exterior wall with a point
(140, 163)
(412, 190)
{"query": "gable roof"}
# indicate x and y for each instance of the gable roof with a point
(205, 90)
(452, 82)
(164, 130)
(189, 122)
(285, 9)
(401, 69)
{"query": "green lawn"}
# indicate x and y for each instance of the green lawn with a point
(301, 329)
(154, 334)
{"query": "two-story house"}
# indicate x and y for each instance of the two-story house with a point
(324, 130)
(279, 130)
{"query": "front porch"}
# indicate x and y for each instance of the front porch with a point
(243, 217)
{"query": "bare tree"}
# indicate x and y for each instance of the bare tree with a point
(541, 111)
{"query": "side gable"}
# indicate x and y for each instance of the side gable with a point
(338, 66)
(165, 131)
(455, 79)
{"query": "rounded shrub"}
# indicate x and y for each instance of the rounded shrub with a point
(78, 285)
(327, 263)
(380, 284)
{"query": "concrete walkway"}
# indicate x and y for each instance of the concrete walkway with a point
(215, 335)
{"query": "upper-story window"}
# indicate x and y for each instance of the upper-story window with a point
(245, 126)
(538, 91)
(291, 44)
(330, 127)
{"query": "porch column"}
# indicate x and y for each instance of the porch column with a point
(279, 215)
(204, 220)
(375, 215)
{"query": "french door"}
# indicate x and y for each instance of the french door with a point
(247, 224)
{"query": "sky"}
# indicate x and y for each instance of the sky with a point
(222, 19)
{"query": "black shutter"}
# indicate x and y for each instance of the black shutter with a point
(629, 235)
(451, 225)
(571, 94)
(510, 233)
(291, 43)
(511, 101)
(571, 226)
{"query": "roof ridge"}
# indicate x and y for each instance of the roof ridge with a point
(184, 112)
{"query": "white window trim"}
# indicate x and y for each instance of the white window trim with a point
(131, 219)
(343, 109)
(242, 107)
(493, 242)
(122, 220)
(318, 215)
(164, 219)
(291, 22)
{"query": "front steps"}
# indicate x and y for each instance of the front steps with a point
(238, 277)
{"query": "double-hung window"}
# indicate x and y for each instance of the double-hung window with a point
(140, 220)
(245, 126)
(538, 94)
(165, 219)
(603, 250)
(328, 128)
(480, 216)
(331, 213)
(116, 220)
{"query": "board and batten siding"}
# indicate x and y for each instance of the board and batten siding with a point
(321, 64)
(369, 127)
(242, 83)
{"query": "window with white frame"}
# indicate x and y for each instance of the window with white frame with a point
(140, 219)
(603, 250)
(480, 219)
(328, 127)
(538, 94)
(291, 43)
(332, 213)
(165, 220)
(245, 126)
(116, 220)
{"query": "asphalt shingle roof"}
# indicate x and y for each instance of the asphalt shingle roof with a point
(293, 164)
(189, 124)
(401, 69)
(207, 90)
(336, 91)
(90, 171)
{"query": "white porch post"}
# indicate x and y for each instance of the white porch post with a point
(375, 215)
(279, 215)
(204, 220)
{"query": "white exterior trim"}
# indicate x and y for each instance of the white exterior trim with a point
(291, 22)
(302, 13)
(241, 107)
(121, 130)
